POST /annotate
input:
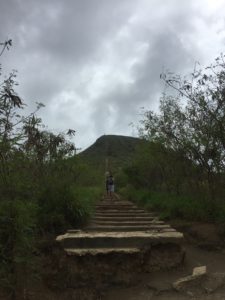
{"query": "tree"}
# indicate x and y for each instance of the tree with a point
(29, 157)
(193, 121)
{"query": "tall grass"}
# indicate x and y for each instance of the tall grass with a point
(66, 207)
(170, 206)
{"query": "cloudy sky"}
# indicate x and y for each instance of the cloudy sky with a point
(95, 63)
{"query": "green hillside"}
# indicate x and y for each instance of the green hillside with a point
(110, 152)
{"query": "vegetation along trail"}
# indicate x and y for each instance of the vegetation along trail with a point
(161, 234)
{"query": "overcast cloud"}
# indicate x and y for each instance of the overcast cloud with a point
(95, 63)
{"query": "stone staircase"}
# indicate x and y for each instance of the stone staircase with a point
(121, 238)
(124, 216)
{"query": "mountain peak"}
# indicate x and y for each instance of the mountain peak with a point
(118, 149)
(112, 145)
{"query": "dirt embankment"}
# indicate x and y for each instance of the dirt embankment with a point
(204, 244)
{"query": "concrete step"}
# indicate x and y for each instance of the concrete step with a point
(121, 228)
(117, 218)
(126, 223)
(116, 207)
(97, 251)
(119, 203)
(155, 229)
(125, 214)
(123, 239)
(109, 201)
(115, 210)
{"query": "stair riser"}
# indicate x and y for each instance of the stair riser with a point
(124, 211)
(110, 202)
(125, 223)
(110, 242)
(123, 207)
(122, 219)
(103, 228)
(124, 215)
(155, 229)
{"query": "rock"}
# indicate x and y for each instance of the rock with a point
(191, 285)
(199, 271)
(200, 282)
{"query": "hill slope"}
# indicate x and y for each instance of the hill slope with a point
(111, 151)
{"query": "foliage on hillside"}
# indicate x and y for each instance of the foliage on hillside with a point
(176, 167)
(110, 152)
(186, 154)
(41, 186)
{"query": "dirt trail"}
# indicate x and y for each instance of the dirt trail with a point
(204, 246)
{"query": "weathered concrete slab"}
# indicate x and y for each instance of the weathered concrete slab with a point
(121, 211)
(199, 271)
(123, 228)
(156, 230)
(116, 208)
(98, 251)
(110, 266)
(123, 218)
(118, 239)
(145, 234)
(199, 283)
(108, 201)
(124, 214)
(126, 223)
(116, 205)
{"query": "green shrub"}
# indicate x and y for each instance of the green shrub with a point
(17, 235)
(62, 207)
(174, 206)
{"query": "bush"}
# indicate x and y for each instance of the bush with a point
(62, 207)
(17, 235)
(174, 206)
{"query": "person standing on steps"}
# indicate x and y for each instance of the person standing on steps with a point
(111, 186)
(107, 183)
